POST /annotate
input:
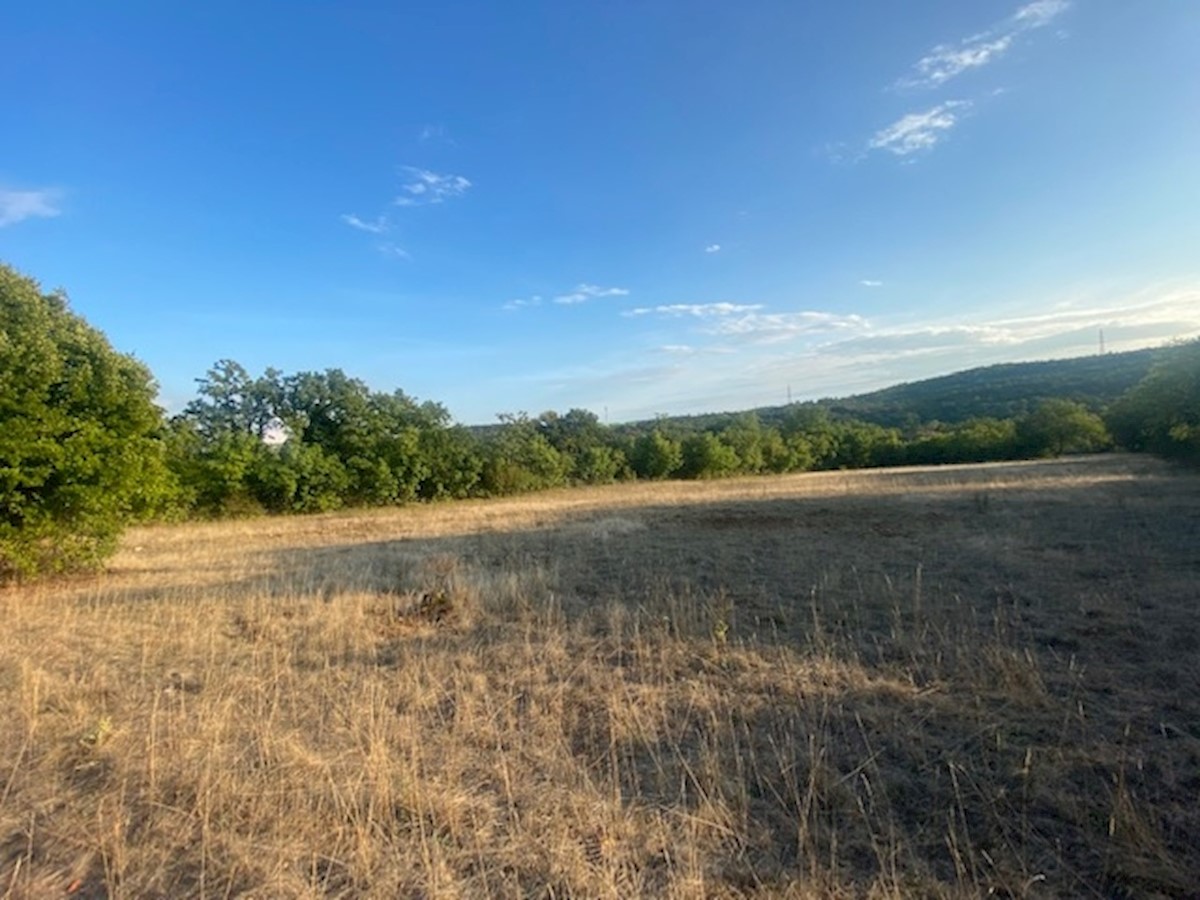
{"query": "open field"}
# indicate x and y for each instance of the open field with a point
(946, 682)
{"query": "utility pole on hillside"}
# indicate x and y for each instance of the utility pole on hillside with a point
(1101, 341)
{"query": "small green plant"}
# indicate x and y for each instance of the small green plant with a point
(98, 733)
(722, 615)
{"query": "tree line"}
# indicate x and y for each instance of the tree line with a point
(317, 441)
(84, 450)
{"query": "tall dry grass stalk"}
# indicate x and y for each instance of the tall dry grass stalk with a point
(947, 683)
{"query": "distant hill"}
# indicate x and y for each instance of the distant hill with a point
(999, 391)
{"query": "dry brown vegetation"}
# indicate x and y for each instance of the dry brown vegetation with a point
(946, 682)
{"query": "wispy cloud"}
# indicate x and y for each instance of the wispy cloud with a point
(746, 323)
(871, 283)
(425, 188)
(379, 226)
(1066, 329)
(17, 206)
(1040, 12)
(435, 133)
(683, 350)
(947, 61)
(836, 355)
(581, 293)
(522, 303)
(395, 251)
(919, 131)
(697, 310)
(585, 292)
(713, 248)
(774, 327)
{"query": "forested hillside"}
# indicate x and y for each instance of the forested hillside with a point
(1001, 391)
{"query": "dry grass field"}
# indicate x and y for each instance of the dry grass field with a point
(955, 682)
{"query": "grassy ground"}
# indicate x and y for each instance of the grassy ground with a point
(949, 682)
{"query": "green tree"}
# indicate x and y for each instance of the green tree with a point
(798, 454)
(747, 438)
(520, 459)
(589, 445)
(857, 445)
(231, 402)
(1061, 426)
(707, 456)
(296, 477)
(600, 465)
(811, 436)
(981, 440)
(1161, 414)
(314, 441)
(212, 469)
(80, 448)
(655, 455)
(377, 437)
(454, 462)
(573, 432)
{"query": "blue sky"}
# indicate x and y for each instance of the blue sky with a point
(633, 207)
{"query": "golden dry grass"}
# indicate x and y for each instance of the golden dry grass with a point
(949, 682)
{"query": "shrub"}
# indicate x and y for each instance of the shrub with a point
(80, 448)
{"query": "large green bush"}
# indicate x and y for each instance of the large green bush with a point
(1061, 426)
(80, 453)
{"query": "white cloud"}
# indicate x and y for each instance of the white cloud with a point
(17, 206)
(379, 226)
(522, 303)
(688, 350)
(585, 292)
(947, 61)
(581, 293)
(916, 132)
(921, 131)
(698, 310)
(943, 63)
(705, 374)
(840, 152)
(422, 189)
(1040, 12)
(713, 248)
(426, 188)
(393, 250)
(772, 327)
(1072, 328)
(435, 133)
(871, 283)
